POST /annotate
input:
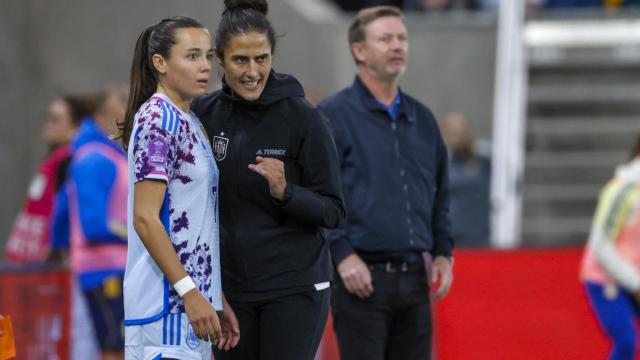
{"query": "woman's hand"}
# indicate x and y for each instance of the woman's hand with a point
(272, 170)
(230, 327)
(202, 316)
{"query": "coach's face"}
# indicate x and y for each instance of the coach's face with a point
(385, 49)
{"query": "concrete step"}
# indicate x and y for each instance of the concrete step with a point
(561, 192)
(585, 77)
(554, 230)
(554, 240)
(567, 94)
(569, 176)
(561, 209)
(586, 58)
(575, 159)
(621, 142)
(586, 108)
(583, 126)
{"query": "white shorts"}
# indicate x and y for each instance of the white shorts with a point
(169, 337)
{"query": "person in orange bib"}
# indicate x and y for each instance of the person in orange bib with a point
(611, 262)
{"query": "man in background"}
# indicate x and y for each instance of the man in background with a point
(394, 178)
(469, 183)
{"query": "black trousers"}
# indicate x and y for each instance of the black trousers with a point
(394, 323)
(286, 328)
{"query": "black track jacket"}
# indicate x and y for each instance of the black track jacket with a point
(272, 247)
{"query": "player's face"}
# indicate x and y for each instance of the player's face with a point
(247, 63)
(385, 50)
(187, 70)
(58, 126)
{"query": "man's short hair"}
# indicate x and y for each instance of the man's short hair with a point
(366, 16)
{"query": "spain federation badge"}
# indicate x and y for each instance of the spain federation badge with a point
(220, 147)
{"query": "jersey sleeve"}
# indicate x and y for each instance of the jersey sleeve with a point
(155, 144)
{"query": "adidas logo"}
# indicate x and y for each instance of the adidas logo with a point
(259, 152)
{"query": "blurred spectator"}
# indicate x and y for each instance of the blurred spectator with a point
(440, 5)
(356, 5)
(30, 238)
(469, 181)
(93, 205)
(573, 3)
(568, 4)
(611, 261)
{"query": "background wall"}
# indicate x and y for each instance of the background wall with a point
(53, 47)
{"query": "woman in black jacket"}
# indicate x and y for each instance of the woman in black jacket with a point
(279, 186)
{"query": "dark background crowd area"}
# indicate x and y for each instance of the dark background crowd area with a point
(482, 5)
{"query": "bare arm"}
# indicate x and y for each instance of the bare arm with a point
(147, 202)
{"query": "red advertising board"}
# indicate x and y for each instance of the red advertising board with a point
(38, 302)
(521, 304)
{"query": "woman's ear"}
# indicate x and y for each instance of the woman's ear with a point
(159, 64)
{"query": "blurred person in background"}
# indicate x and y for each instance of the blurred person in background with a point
(172, 286)
(90, 220)
(469, 183)
(279, 186)
(440, 5)
(30, 237)
(356, 5)
(394, 175)
(577, 4)
(611, 262)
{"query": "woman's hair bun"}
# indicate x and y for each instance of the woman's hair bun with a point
(260, 6)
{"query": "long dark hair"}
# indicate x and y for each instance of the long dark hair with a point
(156, 39)
(241, 17)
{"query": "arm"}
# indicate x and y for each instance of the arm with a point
(441, 269)
(147, 203)
(615, 206)
(442, 239)
(339, 243)
(353, 271)
(93, 177)
(60, 226)
(318, 200)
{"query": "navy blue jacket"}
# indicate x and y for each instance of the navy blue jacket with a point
(394, 176)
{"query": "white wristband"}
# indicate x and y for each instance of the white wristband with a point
(184, 285)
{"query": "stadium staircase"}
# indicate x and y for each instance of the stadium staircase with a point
(583, 112)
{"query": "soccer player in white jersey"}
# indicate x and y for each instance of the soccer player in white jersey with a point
(172, 284)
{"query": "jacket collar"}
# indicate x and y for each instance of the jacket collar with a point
(371, 103)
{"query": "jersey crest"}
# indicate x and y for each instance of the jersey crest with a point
(220, 147)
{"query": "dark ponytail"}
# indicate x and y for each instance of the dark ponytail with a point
(241, 17)
(156, 39)
(635, 151)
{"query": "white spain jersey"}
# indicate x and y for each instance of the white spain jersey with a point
(170, 145)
